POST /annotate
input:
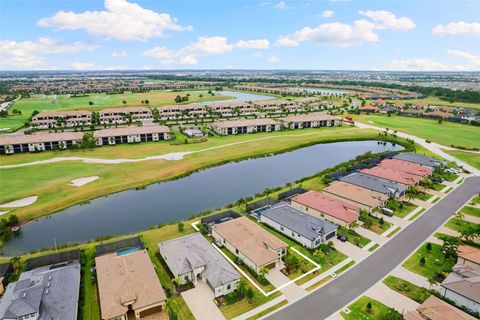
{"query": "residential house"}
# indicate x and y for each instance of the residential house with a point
(469, 256)
(326, 207)
(389, 110)
(436, 309)
(393, 175)
(462, 286)
(407, 167)
(131, 134)
(410, 113)
(437, 115)
(245, 126)
(5, 270)
(252, 244)
(125, 115)
(128, 286)
(311, 120)
(420, 159)
(369, 109)
(364, 198)
(47, 292)
(384, 186)
(305, 229)
(14, 143)
(67, 118)
(192, 258)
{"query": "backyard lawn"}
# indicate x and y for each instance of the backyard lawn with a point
(435, 262)
(446, 133)
(408, 289)
(359, 310)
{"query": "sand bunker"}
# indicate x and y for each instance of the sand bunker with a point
(83, 181)
(20, 203)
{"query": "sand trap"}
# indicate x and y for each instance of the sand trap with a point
(3, 212)
(20, 203)
(83, 181)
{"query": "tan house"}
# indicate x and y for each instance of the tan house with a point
(255, 246)
(67, 118)
(436, 309)
(128, 287)
(364, 198)
(469, 256)
(245, 126)
(38, 142)
(121, 115)
(326, 207)
(132, 134)
(312, 120)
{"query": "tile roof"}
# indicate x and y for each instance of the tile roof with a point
(318, 116)
(125, 110)
(131, 130)
(339, 209)
(186, 253)
(436, 309)
(245, 123)
(250, 239)
(393, 175)
(39, 137)
(374, 183)
(62, 113)
(465, 281)
(406, 166)
(469, 253)
(420, 159)
(300, 222)
(356, 193)
(123, 278)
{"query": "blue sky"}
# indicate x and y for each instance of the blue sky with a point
(139, 34)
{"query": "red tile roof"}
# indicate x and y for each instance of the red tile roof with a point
(338, 209)
(393, 175)
(407, 167)
(469, 253)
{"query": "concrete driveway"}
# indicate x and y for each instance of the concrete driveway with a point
(292, 292)
(391, 298)
(200, 302)
(351, 250)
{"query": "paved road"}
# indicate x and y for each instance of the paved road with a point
(336, 294)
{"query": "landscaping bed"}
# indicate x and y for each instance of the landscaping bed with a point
(400, 208)
(408, 289)
(377, 225)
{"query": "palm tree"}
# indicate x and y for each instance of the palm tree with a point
(176, 284)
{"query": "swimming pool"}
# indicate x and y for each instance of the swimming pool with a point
(123, 252)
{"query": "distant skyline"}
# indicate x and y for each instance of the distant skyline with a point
(169, 35)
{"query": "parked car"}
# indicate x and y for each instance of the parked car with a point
(387, 212)
(342, 237)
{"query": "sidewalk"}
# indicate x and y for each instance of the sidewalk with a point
(263, 307)
(382, 293)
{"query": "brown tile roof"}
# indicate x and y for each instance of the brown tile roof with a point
(407, 167)
(356, 193)
(439, 114)
(245, 123)
(318, 116)
(338, 209)
(250, 239)
(124, 131)
(369, 108)
(125, 278)
(62, 113)
(392, 175)
(436, 309)
(469, 253)
(39, 137)
(125, 110)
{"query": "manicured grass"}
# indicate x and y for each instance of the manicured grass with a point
(90, 308)
(408, 289)
(419, 212)
(435, 262)
(458, 224)
(319, 283)
(448, 190)
(304, 267)
(354, 237)
(345, 267)
(377, 225)
(401, 209)
(422, 196)
(12, 122)
(472, 159)
(439, 186)
(446, 133)
(394, 232)
(433, 100)
(471, 211)
(51, 182)
(358, 310)
(268, 310)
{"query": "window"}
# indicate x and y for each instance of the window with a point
(281, 228)
(229, 286)
(186, 278)
(236, 251)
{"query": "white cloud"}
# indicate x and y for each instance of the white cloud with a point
(93, 66)
(30, 54)
(459, 28)
(258, 54)
(281, 5)
(472, 59)
(121, 20)
(425, 64)
(327, 14)
(203, 46)
(119, 54)
(387, 20)
(274, 59)
(344, 35)
(264, 4)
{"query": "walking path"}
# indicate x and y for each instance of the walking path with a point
(382, 293)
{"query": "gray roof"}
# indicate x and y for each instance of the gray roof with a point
(192, 251)
(304, 224)
(465, 281)
(374, 183)
(52, 291)
(419, 159)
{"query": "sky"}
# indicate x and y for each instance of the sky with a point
(165, 35)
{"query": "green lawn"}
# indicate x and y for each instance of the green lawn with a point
(354, 237)
(458, 224)
(472, 159)
(90, 309)
(471, 211)
(377, 225)
(408, 289)
(268, 310)
(418, 213)
(358, 310)
(400, 209)
(304, 267)
(422, 196)
(394, 232)
(12, 123)
(439, 102)
(475, 200)
(435, 262)
(446, 133)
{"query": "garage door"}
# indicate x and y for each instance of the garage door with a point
(151, 311)
(271, 265)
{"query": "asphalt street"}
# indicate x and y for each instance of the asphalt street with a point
(352, 284)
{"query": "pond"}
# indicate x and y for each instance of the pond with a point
(166, 202)
(239, 97)
(321, 91)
